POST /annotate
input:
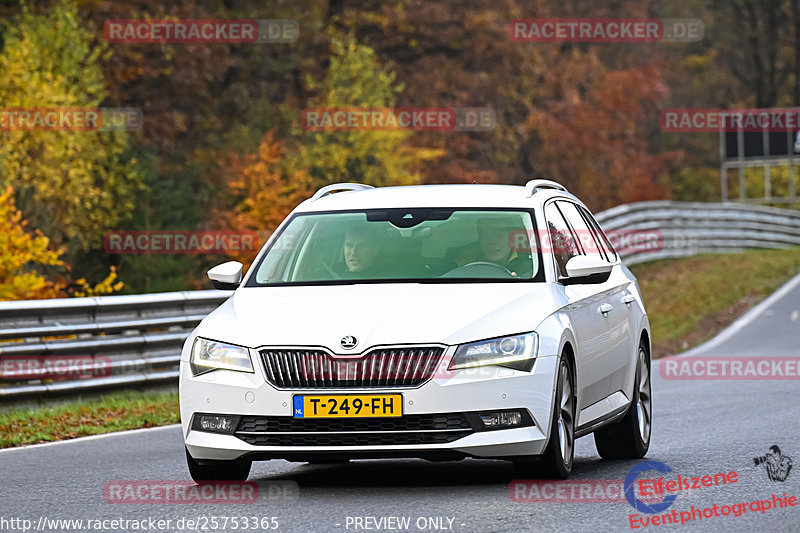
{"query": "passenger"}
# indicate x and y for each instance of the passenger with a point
(495, 246)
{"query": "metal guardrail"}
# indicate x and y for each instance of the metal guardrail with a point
(689, 228)
(131, 341)
(80, 345)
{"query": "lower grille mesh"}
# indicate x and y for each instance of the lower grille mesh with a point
(409, 429)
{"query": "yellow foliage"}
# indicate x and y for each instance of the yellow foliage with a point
(21, 252)
(107, 286)
(73, 185)
(24, 256)
(380, 158)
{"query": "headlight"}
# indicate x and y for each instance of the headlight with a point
(212, 355)
(518, 351)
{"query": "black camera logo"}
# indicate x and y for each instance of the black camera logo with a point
(776, 464)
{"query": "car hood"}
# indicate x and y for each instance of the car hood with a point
(379, 314)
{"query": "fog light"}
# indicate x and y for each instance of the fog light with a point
(501, 419)
(215, 423)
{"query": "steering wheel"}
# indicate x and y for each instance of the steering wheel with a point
(484, 263)
(488, 263)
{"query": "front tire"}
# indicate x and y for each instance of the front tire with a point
(630, 437)
(556, 462)
(237, 470)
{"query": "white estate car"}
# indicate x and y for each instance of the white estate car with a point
(437, 322)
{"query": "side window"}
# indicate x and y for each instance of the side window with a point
(587, 239)
(562, 242)
(604, 242)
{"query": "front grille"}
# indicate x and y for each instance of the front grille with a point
(316, 369)
(409, 429)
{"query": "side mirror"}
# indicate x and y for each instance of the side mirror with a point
(226, 276)
(588, 269)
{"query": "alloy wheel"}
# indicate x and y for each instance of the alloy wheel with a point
(566, 415)
(643, 406)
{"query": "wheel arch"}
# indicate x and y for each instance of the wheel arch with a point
(568, 352)
(645, 336)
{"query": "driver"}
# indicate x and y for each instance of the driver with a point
(495, 247)
(362, 250)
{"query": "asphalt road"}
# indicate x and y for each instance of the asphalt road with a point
(701, 427)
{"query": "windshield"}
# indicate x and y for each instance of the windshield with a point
(401, 244)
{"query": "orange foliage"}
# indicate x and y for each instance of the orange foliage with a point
(592, 135)
(266, 191)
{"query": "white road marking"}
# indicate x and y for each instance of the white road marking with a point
(795, 315)
(747, 318)
(88, 437)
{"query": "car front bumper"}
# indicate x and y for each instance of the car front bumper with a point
(482, 389)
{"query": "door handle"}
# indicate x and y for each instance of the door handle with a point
(605, 309)
(628, 299)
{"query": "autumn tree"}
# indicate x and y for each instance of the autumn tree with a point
(73, 185)
(356, 79)
(23, 254)
(268, 184)
(553, 101)
(592, 135)
(264, 190)
(456, 54)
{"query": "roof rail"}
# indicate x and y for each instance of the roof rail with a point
(328, 189)
(532, 185)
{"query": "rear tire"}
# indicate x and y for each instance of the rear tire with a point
(556, 462)
(237, 470)
(630, 437)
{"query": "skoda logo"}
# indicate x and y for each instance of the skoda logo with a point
(349, 342)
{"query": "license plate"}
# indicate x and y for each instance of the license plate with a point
(348, 406)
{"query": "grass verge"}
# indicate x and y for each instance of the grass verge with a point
(112, 412)
(690, 300)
